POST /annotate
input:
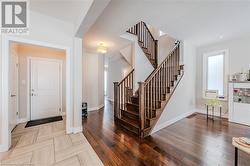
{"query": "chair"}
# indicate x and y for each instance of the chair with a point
(212, 101)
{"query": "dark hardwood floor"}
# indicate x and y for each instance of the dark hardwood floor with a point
(191, 141)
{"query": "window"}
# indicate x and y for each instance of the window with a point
(215, 72)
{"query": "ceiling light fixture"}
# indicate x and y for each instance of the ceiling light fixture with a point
(102, 48)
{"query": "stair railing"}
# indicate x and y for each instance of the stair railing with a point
(155, 88)
(146, 41)
(122, 92)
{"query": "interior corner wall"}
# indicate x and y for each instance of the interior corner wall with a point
(182, 102)
(1, 91)
(77, 84)
(101, 80)
(126, 52)
(165, 46)
(118, 68)
(143, 67)
(239, 61)
(93, 80)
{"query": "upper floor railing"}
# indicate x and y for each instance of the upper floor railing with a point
(146, 40)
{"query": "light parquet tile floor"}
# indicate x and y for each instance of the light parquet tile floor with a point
(48, 145)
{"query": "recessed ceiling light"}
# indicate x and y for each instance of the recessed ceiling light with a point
(221, 37)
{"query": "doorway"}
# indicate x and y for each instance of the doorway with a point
(37, 83)
(45, 87)
(5, 90)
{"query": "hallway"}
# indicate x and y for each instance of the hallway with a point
(191, 141)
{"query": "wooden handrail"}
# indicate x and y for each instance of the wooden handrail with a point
(158, 68)
(126, 76)
(148, 30)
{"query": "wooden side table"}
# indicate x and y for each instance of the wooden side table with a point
(241, 146)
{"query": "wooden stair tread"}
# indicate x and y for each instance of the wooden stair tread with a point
(130, 122)
(147, 129)
(154, 118)
(131, 112)
(135, 105)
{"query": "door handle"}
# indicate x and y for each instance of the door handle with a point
(12, 95)
(33, 94)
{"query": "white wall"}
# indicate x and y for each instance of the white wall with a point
(154, 31)
(126, 52)
(118, 68)
(239, 61)
(182, 102)
(45, 29)
(93, 80)
(165, 46)
(143, 67)
(1, 94)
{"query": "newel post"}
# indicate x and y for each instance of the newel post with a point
(141, 104)
(116, 100)
(156, 53)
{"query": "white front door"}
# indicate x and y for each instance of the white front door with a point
(13, 82)
(45, 88)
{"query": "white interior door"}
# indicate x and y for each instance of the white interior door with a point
(13, 89)
(45, 89)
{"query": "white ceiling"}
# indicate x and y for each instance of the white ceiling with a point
(201, 22)
(65, 10)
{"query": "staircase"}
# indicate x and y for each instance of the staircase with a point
(138, 112)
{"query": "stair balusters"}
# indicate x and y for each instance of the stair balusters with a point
(159, 86)
(139, 112)
(122, 93)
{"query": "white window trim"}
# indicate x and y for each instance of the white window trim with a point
(226, 62)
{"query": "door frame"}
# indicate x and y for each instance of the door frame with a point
(29, 59)
(6, 40)
(17, 92)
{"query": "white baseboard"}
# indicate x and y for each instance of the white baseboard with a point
(63, 113)
(77, 130)
(170, 122)
(3, 148)
(112, 100)
(22, 120)
(96, 108)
